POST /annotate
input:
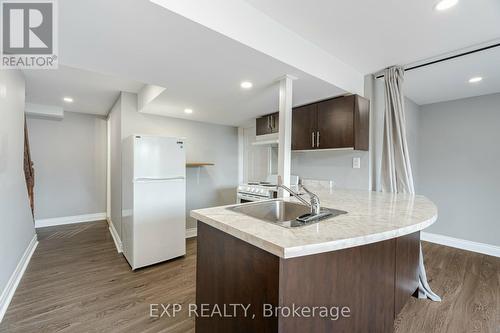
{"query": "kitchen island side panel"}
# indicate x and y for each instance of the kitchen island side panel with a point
(406, 279)
(360, 278)
(231, 271)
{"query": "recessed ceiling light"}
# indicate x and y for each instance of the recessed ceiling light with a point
(445, 4)
(475, 79)
(188, 111)
(68, 99)
(246, 85)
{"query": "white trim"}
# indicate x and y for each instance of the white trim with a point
(16, 276)
(147, 95)
(108, 168)
(44, 111)
(322, 150)
(191, 232)
(271, 143)
(463, 244)
(285, 134)
(40, 223)
(115, 236)
(241, 154)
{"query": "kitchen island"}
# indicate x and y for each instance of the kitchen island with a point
(361, 267)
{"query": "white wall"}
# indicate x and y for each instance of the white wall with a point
(69, 156)
(455, 160)
(16, 222)
(412, 113)
(375, 89)
(256, 159)
(259, 161)
(205, 186)
(115, 136)
(459, 165)
(333, 165)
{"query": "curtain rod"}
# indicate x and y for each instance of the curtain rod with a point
(447, 58)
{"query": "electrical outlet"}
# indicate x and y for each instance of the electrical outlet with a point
(356, 163)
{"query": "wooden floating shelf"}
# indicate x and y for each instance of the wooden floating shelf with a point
(193, 164)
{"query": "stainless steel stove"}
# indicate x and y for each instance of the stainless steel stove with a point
(258, 191)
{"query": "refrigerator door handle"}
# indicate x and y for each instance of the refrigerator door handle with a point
(158, 179)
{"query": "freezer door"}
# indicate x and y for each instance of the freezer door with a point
(159, 221)
(158, 157)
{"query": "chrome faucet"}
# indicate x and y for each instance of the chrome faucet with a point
(314, 199)
(315, 204)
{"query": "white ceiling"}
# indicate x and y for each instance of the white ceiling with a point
(245, 24)
(228, 104)
(372, 35)
(200, 69)
(142, 43)
(449, 80)
(92, 93)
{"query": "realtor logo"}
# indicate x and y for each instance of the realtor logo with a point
(29, 34)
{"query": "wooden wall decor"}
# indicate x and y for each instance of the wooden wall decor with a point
(29, 171)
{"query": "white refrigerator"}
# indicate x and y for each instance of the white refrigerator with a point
(153, 199)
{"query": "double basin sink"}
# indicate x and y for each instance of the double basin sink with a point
(284, 213)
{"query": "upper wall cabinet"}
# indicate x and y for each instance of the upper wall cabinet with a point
(341, 122)
(304, 124)
(268, 124)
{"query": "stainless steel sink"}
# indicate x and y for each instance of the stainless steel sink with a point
(284, 213)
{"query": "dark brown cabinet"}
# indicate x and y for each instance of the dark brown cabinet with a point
(341, 122)
(304, 127)
(374, 281)
(268, 124)
(335, 123)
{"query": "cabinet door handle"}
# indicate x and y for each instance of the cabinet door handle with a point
(273, 123)
(312, 139)
(317, 140)
(268, 122)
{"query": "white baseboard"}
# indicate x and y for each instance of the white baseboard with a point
(116, 237)
(40, 223)
(463, 244)
(191, 232)
(16, 276)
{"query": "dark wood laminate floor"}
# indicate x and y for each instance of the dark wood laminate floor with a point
(469, 285)
(77, 282)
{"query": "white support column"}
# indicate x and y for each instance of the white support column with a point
(241, 155)
(285, 132)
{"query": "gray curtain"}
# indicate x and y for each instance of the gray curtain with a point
(396, 175)
(396, 168)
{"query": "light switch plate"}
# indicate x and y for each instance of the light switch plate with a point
(356, 163)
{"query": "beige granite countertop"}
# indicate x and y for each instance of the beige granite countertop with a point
(371, 217)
